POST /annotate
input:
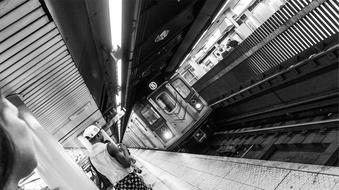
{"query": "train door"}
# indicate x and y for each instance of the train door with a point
(157, 129)
(173, 108)
(144, 132)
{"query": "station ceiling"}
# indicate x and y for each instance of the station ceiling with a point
(56, 55)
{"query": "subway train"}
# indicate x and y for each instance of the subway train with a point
(172, 112)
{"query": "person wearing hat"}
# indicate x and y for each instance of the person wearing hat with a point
(112, 163)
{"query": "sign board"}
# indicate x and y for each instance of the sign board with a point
(153, 85)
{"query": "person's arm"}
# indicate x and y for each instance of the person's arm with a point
(114, 152)
(126, 152)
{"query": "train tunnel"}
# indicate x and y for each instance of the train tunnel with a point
(204, 94)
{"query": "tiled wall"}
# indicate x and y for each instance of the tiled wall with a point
(190, 171)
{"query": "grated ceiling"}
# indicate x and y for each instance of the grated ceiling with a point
(35, 63)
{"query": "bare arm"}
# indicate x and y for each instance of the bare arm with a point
(124, 149)
(114, 152)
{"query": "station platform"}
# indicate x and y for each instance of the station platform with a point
(183, 171)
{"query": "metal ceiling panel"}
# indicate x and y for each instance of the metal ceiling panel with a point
(8, 31)
(96, 117)
(44, 72)
(28, 40)
(35, 63)
(11, 11)
(58, 96)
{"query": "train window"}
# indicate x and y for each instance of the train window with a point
(181, 88)
(149, 114)
(189, 76)
(166, 102)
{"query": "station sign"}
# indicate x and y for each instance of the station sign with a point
(153, 85)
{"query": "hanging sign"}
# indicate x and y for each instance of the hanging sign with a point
(153, 85)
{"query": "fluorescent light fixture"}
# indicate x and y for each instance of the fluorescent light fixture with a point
(196, 43)
(220, 11)
(119, 129)
(118, 100)
(183, 61)
(115, 15)
(203, 34)
(119, 72)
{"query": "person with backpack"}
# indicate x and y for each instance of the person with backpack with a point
(112, 163)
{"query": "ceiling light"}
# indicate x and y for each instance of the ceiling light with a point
(119, 68)
(220, 11)
(115, 14)
(161, 36)
(196, 43)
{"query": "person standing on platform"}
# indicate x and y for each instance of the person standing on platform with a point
(110, 162)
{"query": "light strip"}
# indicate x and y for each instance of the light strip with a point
(119, 72)
(220, 11)
(118, 99)
(115, 13)
(183, 61)
(204, 33)
(196, 43)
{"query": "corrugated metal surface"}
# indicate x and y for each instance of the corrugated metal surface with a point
(320, 22)
(296, 28)
(35, 63)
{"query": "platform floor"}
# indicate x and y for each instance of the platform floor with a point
(181, 171)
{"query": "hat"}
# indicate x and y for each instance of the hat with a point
(91, 131)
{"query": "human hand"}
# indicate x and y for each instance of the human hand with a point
(132, 160)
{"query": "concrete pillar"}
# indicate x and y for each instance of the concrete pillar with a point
(57, 169)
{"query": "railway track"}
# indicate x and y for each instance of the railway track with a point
(304, 132)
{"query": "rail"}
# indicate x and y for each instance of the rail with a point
(287, 128)
(292, 67)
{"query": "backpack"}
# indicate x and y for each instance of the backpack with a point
(104, 183)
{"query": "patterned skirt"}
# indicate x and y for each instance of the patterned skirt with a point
(131, 182)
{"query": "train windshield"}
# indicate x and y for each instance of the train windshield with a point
(149, 114)
(166, 102)
(181, 87)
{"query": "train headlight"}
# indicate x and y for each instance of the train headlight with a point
(167, 135)
(198, 106)
(196, 103)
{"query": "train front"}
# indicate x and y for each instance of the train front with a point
(172, 113)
